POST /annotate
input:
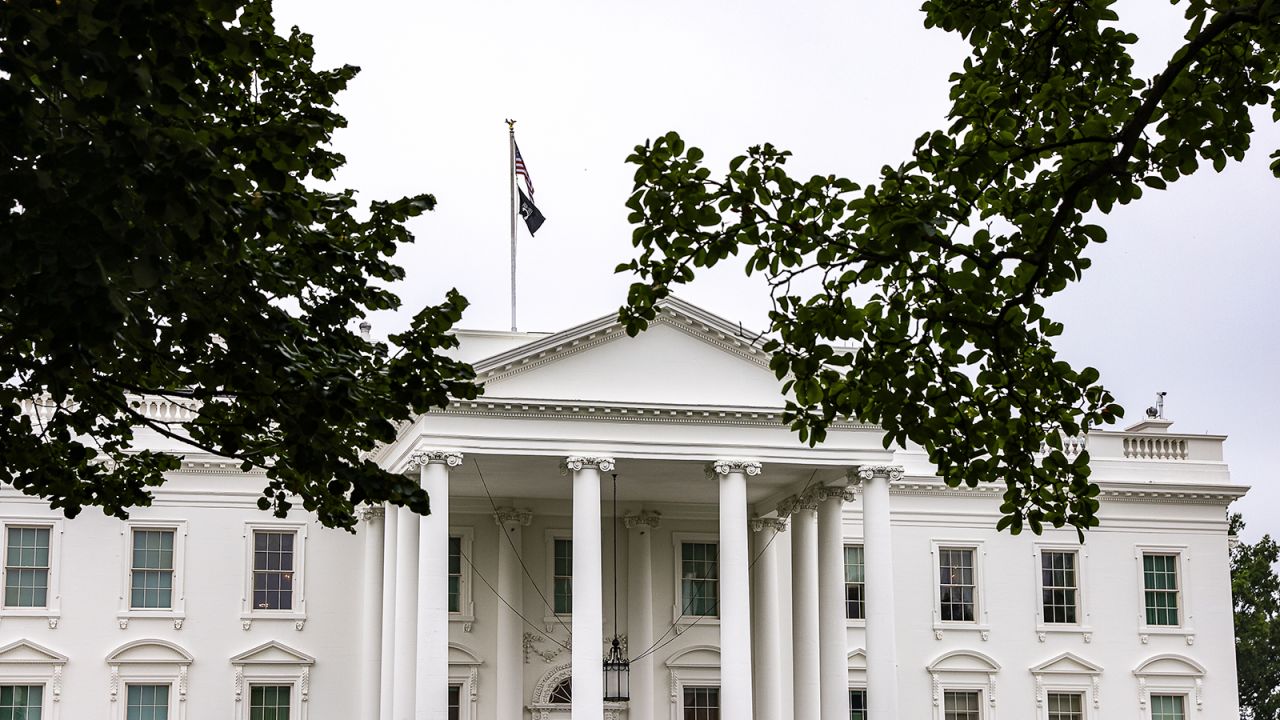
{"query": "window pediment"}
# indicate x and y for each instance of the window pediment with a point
(698, 656)
(1066, 664)
(1170, 666)
(152, 651)
(272, 653)
(964, 661)
(25, 652)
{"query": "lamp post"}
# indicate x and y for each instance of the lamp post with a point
(617, 668)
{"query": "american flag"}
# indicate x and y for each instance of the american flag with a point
(522, 171)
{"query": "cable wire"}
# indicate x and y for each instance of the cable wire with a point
(503, 600)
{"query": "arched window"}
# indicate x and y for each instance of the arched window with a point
(563, 692)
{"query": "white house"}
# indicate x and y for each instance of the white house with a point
(746, 574)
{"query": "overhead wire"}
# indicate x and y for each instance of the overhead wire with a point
(503, 600)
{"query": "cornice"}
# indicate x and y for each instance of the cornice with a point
(1173, 493)
(545, 409)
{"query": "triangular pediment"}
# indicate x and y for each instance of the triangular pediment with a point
(25, 652)
(687, 357)
(1067, 664)
(272, 653)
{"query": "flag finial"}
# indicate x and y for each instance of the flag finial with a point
(511, 124)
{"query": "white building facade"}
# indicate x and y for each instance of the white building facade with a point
(746, 574)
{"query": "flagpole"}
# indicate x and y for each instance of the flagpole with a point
(511, 188)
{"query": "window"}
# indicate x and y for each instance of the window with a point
(858, 704)
(26, 567)
(273, 563)
(562, 575)
(151, 570)
(455, 573)
(455, 702)
(855, 607)
(962, 705)
(21, 702)
(957, 584)
(1168, 707)
(147, 702)
(275, 574)
(1160, 585)
(269, 702)
(563, 692)
(1065, 706)
(1059, 586)
(701, 703)
(699, 582)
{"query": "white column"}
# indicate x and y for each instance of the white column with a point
(833, 642)
(405, 619)
(431, 626)
(804, 605)
(371, 612)
(640, 610)
(389, 569)
(765, 629)
(588, 601)
(509, 662)
(877, 549)
(735, 587)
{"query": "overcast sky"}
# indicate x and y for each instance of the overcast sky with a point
(1182, 298)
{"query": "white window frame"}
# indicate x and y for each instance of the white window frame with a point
(45, 672)
(177, 611)
(52, 610)
(464, 671)
(986, 711)
(466, 614)
(980, 622)
(683, 669)
(1082, 625)
(272, 663)
(171, 671)
(1186, 624)
(1067, 673)
(1186, 680)
(298, 614)
(856, 542)
(551, 619)
(677, 587)
(1187, 701)
(1056, 688)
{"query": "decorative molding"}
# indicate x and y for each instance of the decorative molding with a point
(370, 513)
(576, 463)
(1144, 638)
(1088, 637)
(648, 518)
(787, 506)
(182, 682)
(123, 623)
(1142, 693)
(1042, 636)
(991, 688)
(530, 648)
(1199, 693)
(1191, 639)
(246, 624)
(1040, 690)
(504, 515)
(304, 684)
(178, 622)
(1097, 689)
(422, 458)
(936, 686)
(53, 623)
(843, 493)
(863, 473)
(773, 523)
(728, 467)
(113, 685)
(239, 683)
(299, 624)
(56, 682)
(937, 634)
(985, 635)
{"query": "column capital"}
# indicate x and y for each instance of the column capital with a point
(648, 518)
(807, 500)
(842, 493)
(423, 458)
(777, 524)
(577, 462)
(519, 516)
(369, 513)
(725, 467)
(863, 473)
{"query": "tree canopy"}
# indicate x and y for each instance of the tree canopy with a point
(958, 246)
(162, 234)
(1255, 589)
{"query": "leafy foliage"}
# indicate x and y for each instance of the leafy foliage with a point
(1255, 588)
(161, 234)
(960, 245)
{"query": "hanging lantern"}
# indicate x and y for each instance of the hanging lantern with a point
(617, 675)
(617, 668)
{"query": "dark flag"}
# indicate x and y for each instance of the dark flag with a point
(532, 218)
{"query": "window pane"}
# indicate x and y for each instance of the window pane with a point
(273, 570)
(858, 704)
(151, 576)
(26, 560)
(961, 705)
(269, 702)
(562, 575)
(854, 587)
(147, 702)
(956, 584)
(21, 702)
(701, 703)
(1167, 707)
(455, 702)
(1066, 706)
(1058, 586)
(1160, 581)
(455, 574)
(699, 572)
